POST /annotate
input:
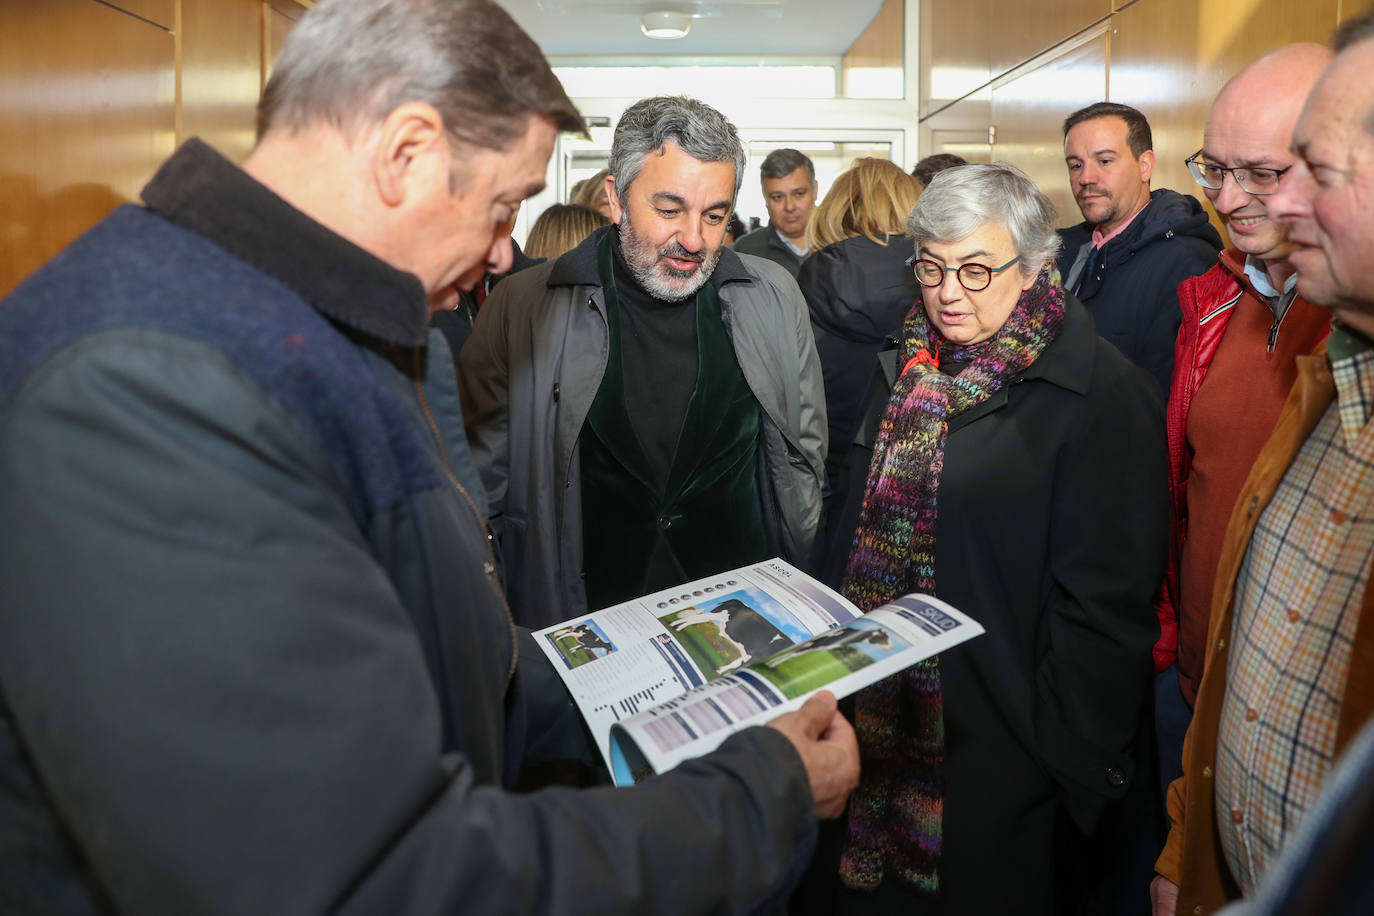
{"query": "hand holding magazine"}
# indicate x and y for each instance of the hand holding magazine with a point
(671, 675)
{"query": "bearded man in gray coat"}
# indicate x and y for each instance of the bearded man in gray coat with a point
(648, 408)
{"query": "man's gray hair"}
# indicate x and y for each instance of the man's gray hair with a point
(350, 63)
(783, 162)
(703, 133)
(1353, 31)
(1350, 33)
(959, 201)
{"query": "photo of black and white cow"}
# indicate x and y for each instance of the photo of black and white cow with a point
(838, 638)
(580, 643)
(732, 634)
(827, 657)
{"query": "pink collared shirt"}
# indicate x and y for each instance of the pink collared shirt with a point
(1099, 239)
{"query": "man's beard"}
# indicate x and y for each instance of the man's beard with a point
(658, 278)
(1104, 199)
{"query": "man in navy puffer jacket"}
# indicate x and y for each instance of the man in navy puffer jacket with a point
(1134, 247)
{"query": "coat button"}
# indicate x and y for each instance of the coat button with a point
(1338, 517)
(1206, 772)
(1251, 715)
(1115, 778)
(489, 568)
(1254, 504)
(665, 522)
(1237, 817)
(1293, 615)
(555, 392)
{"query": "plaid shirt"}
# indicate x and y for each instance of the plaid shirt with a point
(1297, 607)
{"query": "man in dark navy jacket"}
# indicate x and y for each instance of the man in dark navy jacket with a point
(1134, 247)
(254, 656)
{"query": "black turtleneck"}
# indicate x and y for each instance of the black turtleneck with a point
(658, 359)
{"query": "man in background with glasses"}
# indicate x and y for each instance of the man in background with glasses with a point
(1243, 324)
(1134, 246)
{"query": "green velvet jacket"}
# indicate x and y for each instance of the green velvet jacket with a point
(529, 373)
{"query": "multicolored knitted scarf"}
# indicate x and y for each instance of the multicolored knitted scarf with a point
(895, 815)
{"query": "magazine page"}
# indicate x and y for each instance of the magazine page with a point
(624, 659)
(849, 656)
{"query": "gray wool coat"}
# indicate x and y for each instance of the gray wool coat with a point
(529, 374)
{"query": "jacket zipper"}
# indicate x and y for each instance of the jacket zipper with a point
(1278, 320)
(1274, 328)
(490, 566)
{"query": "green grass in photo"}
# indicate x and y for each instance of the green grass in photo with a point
(810, 670)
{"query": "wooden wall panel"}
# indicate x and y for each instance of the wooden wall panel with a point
(961, 128)
(1170, 58)
(1028, 112)
(87, 112)
(279, 16)
(955, 57)
(221, 72)
(161, 12)
(1018, 31)
(878, 47)
(972, 145)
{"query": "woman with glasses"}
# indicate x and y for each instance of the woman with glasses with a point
(858, 287)
(1017, 471)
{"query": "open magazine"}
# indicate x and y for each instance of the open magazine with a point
(671, 675)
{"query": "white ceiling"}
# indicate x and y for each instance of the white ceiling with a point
(610, 28)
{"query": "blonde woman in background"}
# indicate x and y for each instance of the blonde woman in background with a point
(858, 288)
(561, 228)
(591, 193)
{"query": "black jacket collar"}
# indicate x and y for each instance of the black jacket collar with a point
(200, 190)
(1068, 360)
(1168, 214)
(578, 267)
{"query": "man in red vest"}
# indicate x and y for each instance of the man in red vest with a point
(1243, 324)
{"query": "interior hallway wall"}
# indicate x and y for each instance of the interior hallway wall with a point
(94, 95)
(999, 76)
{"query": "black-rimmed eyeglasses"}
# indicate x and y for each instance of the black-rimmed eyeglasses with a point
(1252, 180)
(972, 277)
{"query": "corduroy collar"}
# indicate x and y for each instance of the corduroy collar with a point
(201, 191)
(578, 267)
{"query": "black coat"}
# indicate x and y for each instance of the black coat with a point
(456, 323)
(254, 657)
(1133, 289)
(858, 292)
(1053, 520)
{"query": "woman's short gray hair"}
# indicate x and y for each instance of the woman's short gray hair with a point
(703, 133)
(350, 63)
(960, 200)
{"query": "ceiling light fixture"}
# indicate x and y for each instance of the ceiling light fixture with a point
(665, 24)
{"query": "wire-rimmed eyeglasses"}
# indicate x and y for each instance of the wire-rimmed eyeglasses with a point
(1251, 179)
(972, 277)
